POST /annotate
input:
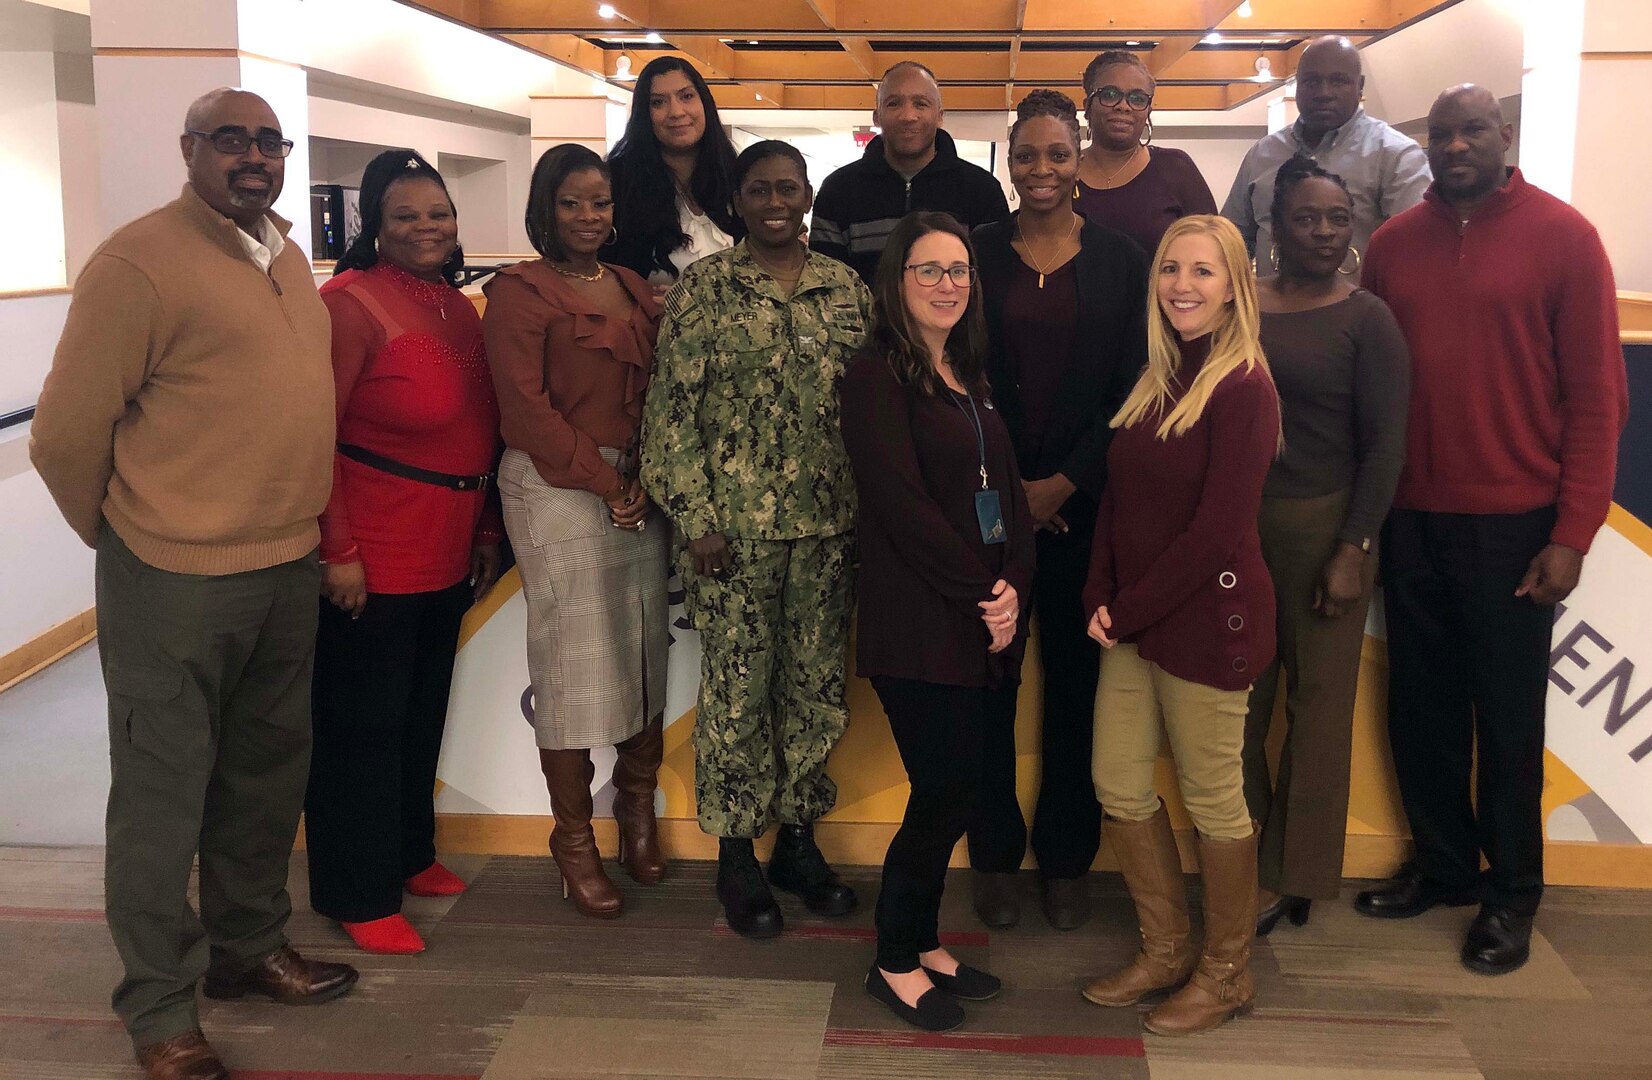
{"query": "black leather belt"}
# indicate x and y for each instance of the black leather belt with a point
(413, 472)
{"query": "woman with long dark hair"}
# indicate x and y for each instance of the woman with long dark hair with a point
(408, 543)
(1064, 300)
(1344, 376)
(946, 554)
(571, 343)
(672, 170)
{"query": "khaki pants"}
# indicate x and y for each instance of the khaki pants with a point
(1136, 700)
(209, 750)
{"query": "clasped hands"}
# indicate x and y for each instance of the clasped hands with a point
(628, 505)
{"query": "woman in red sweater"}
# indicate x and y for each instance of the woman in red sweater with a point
(408, 542)
(1180, 599)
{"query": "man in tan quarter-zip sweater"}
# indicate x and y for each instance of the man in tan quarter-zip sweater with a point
(186, 432)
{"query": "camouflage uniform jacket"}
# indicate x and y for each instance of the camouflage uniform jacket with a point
(740, 430)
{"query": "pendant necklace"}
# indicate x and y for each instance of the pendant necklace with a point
(1042, 270)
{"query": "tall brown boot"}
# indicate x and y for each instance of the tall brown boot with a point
(568, 776)
(1152, 870)
(636, 774)
(1221, 987)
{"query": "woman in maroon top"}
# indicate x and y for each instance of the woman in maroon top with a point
(1181, 601)
(1123, 182)
(946, 553)
(1064, 300)
(408, 541)
(571, 343)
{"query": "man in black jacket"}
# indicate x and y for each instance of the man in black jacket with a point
(913, 165)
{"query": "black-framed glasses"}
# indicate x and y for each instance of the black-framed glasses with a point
(929, 274)
(1108, 96)
(236, 141)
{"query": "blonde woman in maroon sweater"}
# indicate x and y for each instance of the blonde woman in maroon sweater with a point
(1181, 601)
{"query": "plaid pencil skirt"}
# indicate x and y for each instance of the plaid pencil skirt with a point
(596, 596)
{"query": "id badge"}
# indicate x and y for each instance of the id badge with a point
(990, 516)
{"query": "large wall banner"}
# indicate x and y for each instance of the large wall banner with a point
(1599, 771)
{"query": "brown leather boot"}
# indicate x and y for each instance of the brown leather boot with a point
(635, 776)
(1152, 870)
(183, 1057)
(1221, 987)
(568, 776)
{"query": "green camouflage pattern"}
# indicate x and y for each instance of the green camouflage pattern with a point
(774, 636)
(740, 428)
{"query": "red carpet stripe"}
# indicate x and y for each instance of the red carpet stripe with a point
(1058, 1045)
(860, 933)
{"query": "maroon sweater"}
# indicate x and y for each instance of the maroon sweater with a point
(1177, 560)
(923, 567)
(1518, 388)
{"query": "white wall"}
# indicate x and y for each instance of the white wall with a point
(31, 172)
(1476, 41)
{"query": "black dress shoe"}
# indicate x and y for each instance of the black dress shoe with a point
(1294, 908)
(997, 900)
(1409, 894)
(1498, 942)
(798, 867)
(967, 984)
(935, 1011)
(1066, 902)
(747, 902)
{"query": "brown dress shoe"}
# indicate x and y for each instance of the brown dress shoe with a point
(183, 1057)
(285, 977)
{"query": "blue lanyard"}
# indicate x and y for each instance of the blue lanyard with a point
(980, 435)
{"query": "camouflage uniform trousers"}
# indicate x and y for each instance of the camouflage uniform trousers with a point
(774, 636)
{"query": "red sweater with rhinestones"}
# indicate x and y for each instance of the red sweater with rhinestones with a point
(413, 386)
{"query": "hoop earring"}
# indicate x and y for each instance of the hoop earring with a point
(613, 234)
(1358, 263)
(1273, 259)
(1149, 140)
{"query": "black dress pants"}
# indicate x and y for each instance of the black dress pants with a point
(1066, 831)
(379, 706)
(940, 732)
(1467, 677)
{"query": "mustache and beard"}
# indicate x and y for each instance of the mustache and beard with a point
(251, 200)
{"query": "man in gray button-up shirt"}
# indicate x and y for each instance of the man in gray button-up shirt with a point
(1385, 171)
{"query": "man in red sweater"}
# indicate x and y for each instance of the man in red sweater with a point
(1518, 396)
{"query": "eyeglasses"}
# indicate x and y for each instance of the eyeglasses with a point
(929, 274)
(1108, 96)
(236, 141)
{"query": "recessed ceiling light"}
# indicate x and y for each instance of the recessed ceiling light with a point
(1132, 43)
(1244, 10)
(753, 41)
(759, 97)
(606, 11)
(1212, 38)
(653, 38)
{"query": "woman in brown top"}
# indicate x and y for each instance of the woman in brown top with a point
(1124, 182)
(1344, 375)
(571, 343)
(946, 552)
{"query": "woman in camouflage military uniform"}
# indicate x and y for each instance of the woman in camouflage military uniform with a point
(741, 448)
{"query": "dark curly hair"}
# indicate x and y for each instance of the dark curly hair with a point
(381, 174)
(1115, 58)
(1300, 167)
(645, 192)
(1046, 103)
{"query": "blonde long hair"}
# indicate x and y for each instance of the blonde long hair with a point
(1235, 342)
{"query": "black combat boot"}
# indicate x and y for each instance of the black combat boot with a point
(798, 867)
(747, 902)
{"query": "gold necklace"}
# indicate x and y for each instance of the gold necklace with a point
(1042, 270)
(1108, 179)
(601, 270)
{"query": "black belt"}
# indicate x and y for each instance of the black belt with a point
(413, 472)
